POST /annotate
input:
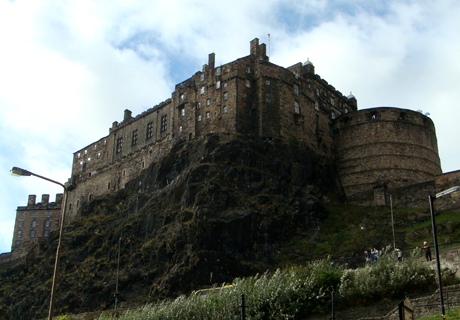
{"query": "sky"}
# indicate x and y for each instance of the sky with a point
(69, 68)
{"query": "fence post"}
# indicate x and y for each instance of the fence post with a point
(242, 307)
(333, 312)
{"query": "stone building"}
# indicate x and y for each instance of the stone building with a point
(249, 96)
(378, 152)
(36, 221)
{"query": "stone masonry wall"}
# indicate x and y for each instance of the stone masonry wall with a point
(387, 147)
(35, 221)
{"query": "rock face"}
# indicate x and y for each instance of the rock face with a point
(211, 210)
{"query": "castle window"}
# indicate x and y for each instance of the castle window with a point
(48, 214)
(35, 214)
(402, 116)
(182, 112)
(119, 144)
(316, 105)
(296, 107)
(198, 105)
(268, 97)
(81, 163)
(248, 70)
(218, 85)
(105, 142)
(108, 186)
(47, 223)
(182, 97)
(248, 84)
(267, 82)
(225, 96)
(95, 146)
(32, 234)
(333, 115)
(208, 102)
(20, 224)
(199, 117)
(207, 114)
(78, 155)
(98, 155)
(225, 84)
(346, 110)
(89, 159)
(202, 77)
(21, 215)
(218, 71)
(164, 122)
(18, 242)
(296, 89)
(149, 129)
(19, 233)
(34, 223)
(333, 101)
(202, 90)
(86, 152)
(317, 92)
(134, 137)
(180, 129)
(46, 233)
(224, 109)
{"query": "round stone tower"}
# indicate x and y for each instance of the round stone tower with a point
(383, 148)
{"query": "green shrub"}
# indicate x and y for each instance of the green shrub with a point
(296, 292)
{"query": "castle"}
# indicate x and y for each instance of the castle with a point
(378, 152)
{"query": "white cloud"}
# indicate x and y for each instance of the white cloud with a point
(69, 69)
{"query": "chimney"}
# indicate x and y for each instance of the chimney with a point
(211, 60)
(45, 199)
(254, 47)
(128, 116)
(59, 197)
(31, 201)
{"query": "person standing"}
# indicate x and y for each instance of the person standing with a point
(427, 249)
(398, 254)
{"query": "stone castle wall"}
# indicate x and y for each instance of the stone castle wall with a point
(384, 148)
(249, 96)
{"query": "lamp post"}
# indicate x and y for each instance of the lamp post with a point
(21, 172)
(435, 239)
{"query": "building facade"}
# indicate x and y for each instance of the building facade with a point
(36, 221)
(249, 96)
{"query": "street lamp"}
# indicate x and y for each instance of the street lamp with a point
(21, 172)
(435, 239)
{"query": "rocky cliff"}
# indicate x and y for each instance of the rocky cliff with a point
(213, 209)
